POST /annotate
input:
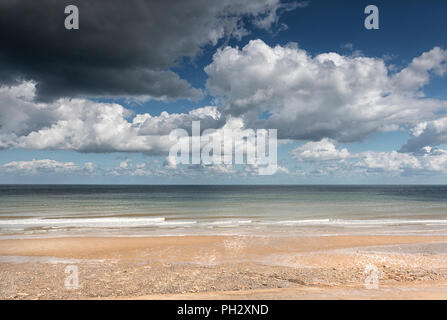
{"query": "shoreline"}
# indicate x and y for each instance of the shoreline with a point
(128, 247)
(224, 267)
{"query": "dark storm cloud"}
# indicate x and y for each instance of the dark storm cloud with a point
(123, 48)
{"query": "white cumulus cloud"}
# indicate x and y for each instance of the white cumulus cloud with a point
(324, 96)
(323, 150)
(39, 166)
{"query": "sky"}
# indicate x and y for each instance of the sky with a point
(97, 105)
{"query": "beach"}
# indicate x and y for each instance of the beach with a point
(223, 242)
(225, 267)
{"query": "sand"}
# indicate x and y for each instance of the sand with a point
(225, 267)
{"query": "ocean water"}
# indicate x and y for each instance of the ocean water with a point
(61, 210)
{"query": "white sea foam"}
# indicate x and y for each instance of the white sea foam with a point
(136, 222)
(83, 222)
(349, 222)
(227, 222)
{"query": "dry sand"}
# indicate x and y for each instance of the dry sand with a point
(225, 267)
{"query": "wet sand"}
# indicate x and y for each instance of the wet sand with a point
(225, 267)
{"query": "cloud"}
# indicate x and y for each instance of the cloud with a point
(327, 99)
(126, 168)
(427, 134)
(46, 166)
(86, 126)
(89, 167)
(93, 127)
(323, 150)
(170, 162)
(306, 97)
(327, 159)
(213, 169)
(209, 117)
(417, 74)
(125, 164)
(121, 49)
(310, 98)
(435, 160)
(80, 125)
(389, 161)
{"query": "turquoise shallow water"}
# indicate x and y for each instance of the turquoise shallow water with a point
(44, 210)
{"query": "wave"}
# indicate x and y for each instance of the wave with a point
(160, 222)
(356, 222)
(227, 222)
(83, 222)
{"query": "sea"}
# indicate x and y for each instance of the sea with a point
(30, 211)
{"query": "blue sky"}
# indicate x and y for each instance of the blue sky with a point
(374, 153)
